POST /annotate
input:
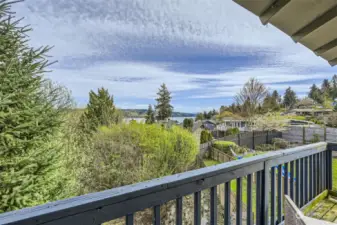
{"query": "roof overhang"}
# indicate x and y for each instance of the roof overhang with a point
(312, 23)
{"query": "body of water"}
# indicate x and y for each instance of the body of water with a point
(179, 119)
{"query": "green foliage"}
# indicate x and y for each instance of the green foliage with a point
(31, 115)
(316, 94)
(205, 136)
(232, 131)
(199, 116)
(316, 120)
(280, 143)
(270, 103)
(332, 120)
(164, 108)
(297, 117)
(265, 147)
(129, 153)
(239, 149)
(188, 123)
(290, 98)
(315, 138)
(149, 118)
(100, 111)
(224, 146)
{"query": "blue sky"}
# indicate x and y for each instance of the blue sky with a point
(203, 50)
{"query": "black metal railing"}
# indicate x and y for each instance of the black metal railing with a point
(302, 172)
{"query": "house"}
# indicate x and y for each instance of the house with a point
(231, 123)
(208, 125)
(311, 112)
(307, 103)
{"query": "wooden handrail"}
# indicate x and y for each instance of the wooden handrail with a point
(100, 207)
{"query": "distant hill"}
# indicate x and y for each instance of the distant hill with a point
(142, 112)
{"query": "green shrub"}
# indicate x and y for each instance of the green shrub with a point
(224, 146)
(315, 138)
(205, 136)
(129, 153)
(265, 147)
(188, 123)
(239, 149)
(280, 143)
(232, 131)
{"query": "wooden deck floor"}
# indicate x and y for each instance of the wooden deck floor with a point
(325, 210)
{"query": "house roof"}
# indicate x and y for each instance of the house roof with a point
(209, 121)
(310, 22)
(311, 110)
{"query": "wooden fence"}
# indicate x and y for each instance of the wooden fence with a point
(247, 139)
(304, 135)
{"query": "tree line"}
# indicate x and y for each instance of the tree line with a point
(255, 98)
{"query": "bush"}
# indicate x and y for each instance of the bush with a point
(224, 146)
(239, 149)
(129, 153)
(280, 143)
(232, 131)
(315, 138)
(188, 123)
(265, 147)
(205, 136)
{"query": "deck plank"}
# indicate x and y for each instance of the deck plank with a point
(322, 209)
(331, 214)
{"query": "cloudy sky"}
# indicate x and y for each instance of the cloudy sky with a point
(204, 50)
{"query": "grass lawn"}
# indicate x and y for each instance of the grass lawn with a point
(210, 162)
(334, 174)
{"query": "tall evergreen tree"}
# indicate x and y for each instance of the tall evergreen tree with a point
(334, 87)
(325, 88)
(164, 108)
(31, 114)
(100, 111)
(316, 94)
(149, 118)
(290, 98)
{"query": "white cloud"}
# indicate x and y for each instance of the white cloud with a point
(115, 29)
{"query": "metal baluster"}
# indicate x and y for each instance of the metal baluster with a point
(311, 177)
(298, 182)
(306, 184)
(156, 215)
(238, 201)
(317, 175)
(179, 211)
(258, 197)
(197, 207)
(214, 205)
(249, 201)
(292, 175)
(228, 203)
(314, 176)
(302, 183)
(279, 194)
(273, 197)
(286, 179)
(129, 219)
